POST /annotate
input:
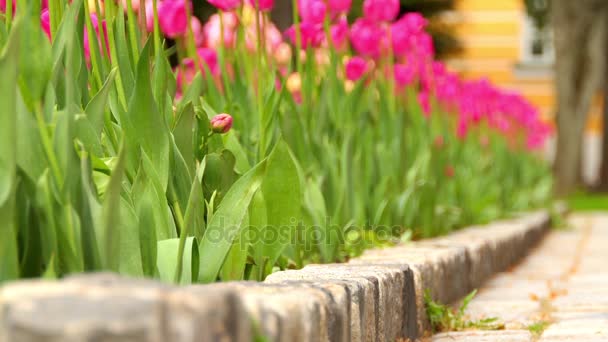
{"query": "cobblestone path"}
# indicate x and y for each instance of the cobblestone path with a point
(558, 293)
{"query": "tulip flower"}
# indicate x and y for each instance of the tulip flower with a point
(381, 10)
(225, 5)
(368, 38)
(221, 123)
(355, 68)
(262, 5)
(312, 11)
(311, 35)
(339, 7)
(174, 19)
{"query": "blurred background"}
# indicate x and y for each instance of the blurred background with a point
(512, 43)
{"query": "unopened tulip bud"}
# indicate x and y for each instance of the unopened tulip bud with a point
(294, 83)
(449, 171)
(438, 143)
(221, 123)
(349, 86)
(282, 54)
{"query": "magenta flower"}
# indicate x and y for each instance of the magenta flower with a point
(197, 31)
(312, 11)
(149, 16)
(225, 5)
(311, 35)
(262, 5)
(339, 34)
(449, 171)
(355, 68)
(213, 31)
(270, 32)
(425, 102)
(404, 74)
(210, 61)
(45, 22)
(381, 10)
(438, 142)
(3, 6)
(95, 22)
(185, 73)
(368, 37)
(414, 22)
(221, 123)
(339, 7)
(173, 18)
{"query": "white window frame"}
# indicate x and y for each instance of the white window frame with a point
(528, 33)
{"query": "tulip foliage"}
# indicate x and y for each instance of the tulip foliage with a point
(136, 139)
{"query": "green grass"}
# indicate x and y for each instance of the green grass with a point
(537, 328)
(445, 318)
(584, 201)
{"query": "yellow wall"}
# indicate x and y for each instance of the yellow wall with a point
(490, 32)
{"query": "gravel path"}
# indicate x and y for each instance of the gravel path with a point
(558, 293)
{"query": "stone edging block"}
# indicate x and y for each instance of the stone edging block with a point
(376, 297)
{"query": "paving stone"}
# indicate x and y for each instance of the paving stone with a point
(485, 336)
(565, 280)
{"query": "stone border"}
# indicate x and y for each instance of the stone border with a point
(376, 297)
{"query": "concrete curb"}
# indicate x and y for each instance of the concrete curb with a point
(376, 297)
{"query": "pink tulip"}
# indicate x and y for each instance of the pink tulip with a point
(355, 68)
(282, 54)
(45, 22)
(185, 73)
(95, 23)
(3, 6)
(339, 34)
(213, 31)
(150, 16)
(462, 129)
(312, 11)
(438, 142)
(404, 74)
(311, 35)
(225, 5)
(294, 86)
(367, 37)
(270, 32)
(221, 123)
(173, 18)
(262, 5)
(381, 10)
(425, 102)
(449, 171)
(135, 4)
(210, 61)
(339, 7)
(197, 31)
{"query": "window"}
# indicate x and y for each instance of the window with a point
(536, 38)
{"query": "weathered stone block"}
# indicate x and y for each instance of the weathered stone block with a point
(46, 311)
(284, 312)
(106, 307)
(378, 293)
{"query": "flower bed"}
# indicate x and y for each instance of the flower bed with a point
(245, 155)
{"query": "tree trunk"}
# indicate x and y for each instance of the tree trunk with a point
(603, 178)
(579, 28)
(282, 14)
